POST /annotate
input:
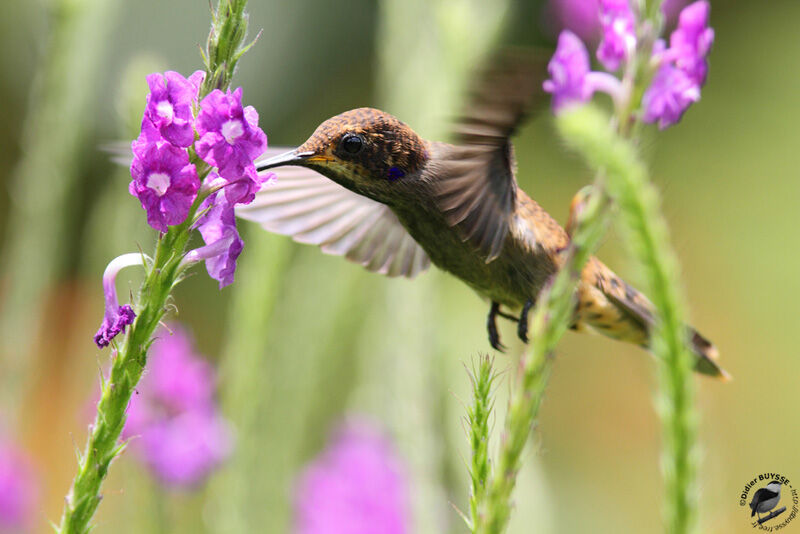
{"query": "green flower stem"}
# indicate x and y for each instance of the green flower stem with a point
(482, 378)
(551, 318)
(103, 444)
(224, 46)
(649, 242)
(129, 357)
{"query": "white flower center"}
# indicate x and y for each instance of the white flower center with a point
(232, 130)
(164, 109)
(158, 182)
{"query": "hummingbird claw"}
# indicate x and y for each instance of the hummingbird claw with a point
(491, 325)
(522, 326)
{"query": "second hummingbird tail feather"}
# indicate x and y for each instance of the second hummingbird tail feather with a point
(614, 308)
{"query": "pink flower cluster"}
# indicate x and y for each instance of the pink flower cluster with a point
(682, 66)
(224, 135)
(174, 421)
(356, 486)
(178, 136)
(19, 489)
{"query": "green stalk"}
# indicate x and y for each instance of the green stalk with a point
(649, 242)
(130, 355)
(482, 378)
(648, 238)
(103, 444)
(551, 318)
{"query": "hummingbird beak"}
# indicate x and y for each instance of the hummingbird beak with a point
(293, 157)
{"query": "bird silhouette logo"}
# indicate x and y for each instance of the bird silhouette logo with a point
(765, 499)
(768, 496)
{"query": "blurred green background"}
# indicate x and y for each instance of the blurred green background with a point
(303, 339)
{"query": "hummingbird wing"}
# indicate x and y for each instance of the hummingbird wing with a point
(476, 187)
(314, 210)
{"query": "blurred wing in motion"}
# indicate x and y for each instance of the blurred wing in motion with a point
(477, 188)
(314, 210)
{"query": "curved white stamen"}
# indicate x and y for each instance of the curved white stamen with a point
(209, 251)
(110, 276)
(607, 83)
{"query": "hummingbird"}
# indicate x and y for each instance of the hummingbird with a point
(366, 186)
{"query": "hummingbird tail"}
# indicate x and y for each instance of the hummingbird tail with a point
(614, 308)
(706, 356)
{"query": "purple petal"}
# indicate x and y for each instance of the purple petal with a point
(356, 486)
(185, 449)
(691, 41)
(223, 244)
(165, 183)
(113, 324)
(669, 96)
(230, 138)
(568, 69)
(18, 490)
(180, 434)
(619, 33)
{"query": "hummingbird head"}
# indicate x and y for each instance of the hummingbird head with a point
(366, 150)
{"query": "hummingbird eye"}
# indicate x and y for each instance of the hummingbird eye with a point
(352, 144)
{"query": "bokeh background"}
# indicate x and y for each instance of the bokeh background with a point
(304, 341)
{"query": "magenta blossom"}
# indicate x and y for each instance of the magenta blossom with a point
(680, 70)
(231, 140)
(185, 449)
(691, 41)
(178, 430)
(18, 490)
(582, 17)
(670, 94)
(570, 79)
(223, 244)
(116, 317)
(356, 486)
(619, 33)
(683, 68)
(163, 180)
(169, 105)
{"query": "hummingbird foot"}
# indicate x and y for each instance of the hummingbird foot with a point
(522, 325)
(491, 326)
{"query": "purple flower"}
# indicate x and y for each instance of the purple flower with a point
(163, 180)
(568, 69)
(179, 431)
(619, 33)
(683, 70)
(185, 449)
(114, 322)
(169, 105)
(356, 486)
(18, 490)
(218, 228)
(570, 80)
(581, 16)
(691, 41)
(116, 317)
(231, 140)
(669, 96)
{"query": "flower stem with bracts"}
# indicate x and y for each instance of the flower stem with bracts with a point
(192, 163)
(657, 85)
